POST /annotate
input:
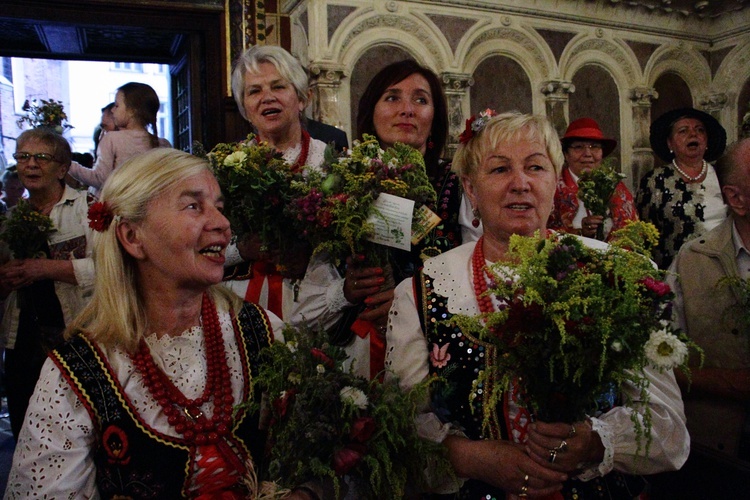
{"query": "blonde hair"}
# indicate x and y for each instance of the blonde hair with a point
(508, 127)
(116, 314)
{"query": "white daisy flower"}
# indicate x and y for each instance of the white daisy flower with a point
(353, 396)
(665, 350)
(320, 369)
(235, 159)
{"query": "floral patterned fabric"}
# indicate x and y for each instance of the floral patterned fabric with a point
(621, 206)
(680, 211)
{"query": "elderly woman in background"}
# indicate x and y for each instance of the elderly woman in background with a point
(509, 170)
(271, 90)
(682, 198)
(584, 147)
(44, 293)
(145, 400)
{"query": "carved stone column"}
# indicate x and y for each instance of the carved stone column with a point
(455, 86)
(557, 93)
(643, 158)
(713, 104)
(325, 83)
(716, 105)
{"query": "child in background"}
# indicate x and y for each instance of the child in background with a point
(135, 109)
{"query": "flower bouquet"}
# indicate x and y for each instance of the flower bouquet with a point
(25, 231)
(595, 189)
(576, 324)
(331, 426)
(256, 181)
(332, 208)
(46, 113)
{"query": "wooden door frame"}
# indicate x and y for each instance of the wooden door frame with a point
(203, 25)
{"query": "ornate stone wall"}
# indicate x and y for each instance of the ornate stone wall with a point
(548, 57)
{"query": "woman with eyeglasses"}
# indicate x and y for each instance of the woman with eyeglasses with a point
(42, 294)
(585, 147)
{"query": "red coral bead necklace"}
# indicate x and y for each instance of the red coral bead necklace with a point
(478, 266)
(304, 152)
(184, 414)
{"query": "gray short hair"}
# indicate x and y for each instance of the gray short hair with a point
(286, 64)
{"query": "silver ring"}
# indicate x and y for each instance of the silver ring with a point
(355, 283)
(563, 446)
(552, 456)
(572, 431)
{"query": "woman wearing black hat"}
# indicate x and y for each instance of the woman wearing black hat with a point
(682, 198)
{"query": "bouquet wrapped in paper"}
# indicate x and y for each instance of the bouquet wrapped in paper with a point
(575, 324)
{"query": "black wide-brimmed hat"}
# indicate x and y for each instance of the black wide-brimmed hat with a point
(662, 127)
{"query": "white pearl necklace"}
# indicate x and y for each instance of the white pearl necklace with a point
(690, 178)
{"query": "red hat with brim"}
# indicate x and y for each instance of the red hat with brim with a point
(662, 128)
(586, 129)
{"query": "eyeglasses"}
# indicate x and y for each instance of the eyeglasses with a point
(580, 148)
(41, 158)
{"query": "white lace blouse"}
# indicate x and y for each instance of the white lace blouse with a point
(54, 456)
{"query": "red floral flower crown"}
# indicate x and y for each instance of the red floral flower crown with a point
(475, 124)
(100, 216)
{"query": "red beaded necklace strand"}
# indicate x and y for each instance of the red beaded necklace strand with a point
(520, 422)
(478, 265)
(304, 152)
(182, 413)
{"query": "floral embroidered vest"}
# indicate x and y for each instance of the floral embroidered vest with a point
(132, 460)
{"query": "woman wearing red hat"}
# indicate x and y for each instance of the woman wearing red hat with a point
(584, 147)
(682, 198)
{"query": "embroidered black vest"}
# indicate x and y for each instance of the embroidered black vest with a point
(460, 400)
(132, 460)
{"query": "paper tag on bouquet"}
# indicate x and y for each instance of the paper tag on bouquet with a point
(424, 221)
(392, 218)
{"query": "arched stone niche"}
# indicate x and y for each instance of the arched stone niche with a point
(673, 92)
(500, 83)
(597, 97)
(367, 66)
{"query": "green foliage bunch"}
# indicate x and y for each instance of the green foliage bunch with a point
(328, 424)
(25, 231)
(45, 113)
(256, 183)
(595, 189)
(332, 207)
(576, 325)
